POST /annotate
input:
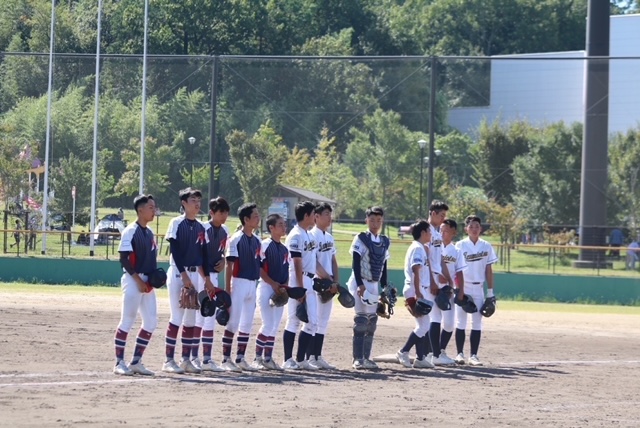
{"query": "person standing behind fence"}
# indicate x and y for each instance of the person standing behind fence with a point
(616, 240)
(188, 242)
(633, 254)
(138, 252)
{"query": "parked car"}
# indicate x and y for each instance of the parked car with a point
(111, 223)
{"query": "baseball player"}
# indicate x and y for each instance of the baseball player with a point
(479, 256)
(274, 276)
(243, 270)
(370, 252)
(138, 253)
(437, 214)
(326, 256)
(188, 245)
(217, 233)
(417, 280)
(303, 268)
(454, 264)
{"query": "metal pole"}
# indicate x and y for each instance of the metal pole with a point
(96, 104)
(45, 190)
(144, 95)
(432, 125)
(191, 162)
(421, 176)
(213, 148)
(593, 183)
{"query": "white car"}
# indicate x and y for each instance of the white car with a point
(111, 223)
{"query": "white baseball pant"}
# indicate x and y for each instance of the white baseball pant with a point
(271, 315)
(371, 286)
(324, 313)
(293, 322)
(476, 291)
(424, 322)
(207, 323)
(243, 305)
(134, 301)
(181, 316)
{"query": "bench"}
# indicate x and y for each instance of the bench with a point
(403, 230)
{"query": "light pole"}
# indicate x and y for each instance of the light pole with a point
(432, 161)
(422, 144)
(192, 141)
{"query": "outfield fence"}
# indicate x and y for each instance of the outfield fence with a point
(513, 258)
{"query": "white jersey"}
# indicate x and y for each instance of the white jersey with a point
(435, 251)
(477, 256)
(415, 256)
(453, 260)
(300, 241)
(326, 248)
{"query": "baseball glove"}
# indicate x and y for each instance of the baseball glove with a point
(279, 299)
(489, 307)
(326, 296)
(189, 298)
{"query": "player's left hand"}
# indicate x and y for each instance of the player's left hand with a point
(208, 285)
(334, 288)
(442, 279)
(433, 289)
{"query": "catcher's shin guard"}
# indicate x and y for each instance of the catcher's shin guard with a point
(372, 324)
(360, 322)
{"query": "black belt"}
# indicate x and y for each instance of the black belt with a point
(191, 268)
(310, 275)
(476, 283)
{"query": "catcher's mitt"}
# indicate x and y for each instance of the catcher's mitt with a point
(189, 298)
(326, 296)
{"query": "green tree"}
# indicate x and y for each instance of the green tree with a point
(498, 145)
(547, 177)
(257, 163)
(13, 165)
(624, 179)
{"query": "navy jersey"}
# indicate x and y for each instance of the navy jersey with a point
(140, 243)
(217, 237)
(189, 238)
(244, 251)
(275, 260)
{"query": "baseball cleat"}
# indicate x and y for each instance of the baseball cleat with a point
(290, 364)
(230, 366)
(474, 360)
(323, 364)
(441, 361)
(122, 369)
(443, 354)
(358, 364)
(246, 367)
(258, 363)
(422, 364)
(211, 366)
(368, 364)
(403, 358)
(308, 365)
(171, 367)
(459, 359)
(270, 364)
(139, 368)
(188, 367)
(196, 363)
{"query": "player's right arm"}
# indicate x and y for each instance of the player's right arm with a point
(126, 250)
(356, 250)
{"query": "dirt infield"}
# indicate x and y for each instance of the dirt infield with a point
(542, 369)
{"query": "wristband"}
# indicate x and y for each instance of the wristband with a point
(490, 292)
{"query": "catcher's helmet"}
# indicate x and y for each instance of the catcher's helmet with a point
(296, 292)
(423, 307)
(369, 299)
(467, 304)
(301, 312)
(345, 298)
(443, 299)
(489, 307)
(207, 307)
(157, 278)
(278, 299)
(223, 299)
(222, 316)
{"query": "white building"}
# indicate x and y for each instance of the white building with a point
(549, 87)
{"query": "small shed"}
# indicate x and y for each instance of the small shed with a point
(286, 197)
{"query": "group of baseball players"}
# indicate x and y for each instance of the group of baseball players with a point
(276, 275)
